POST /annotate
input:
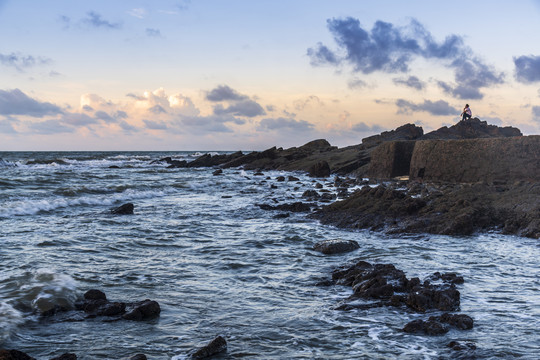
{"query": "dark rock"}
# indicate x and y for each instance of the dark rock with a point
(126, 209)
(292, 207)
(457, 346)
(66, 356)
(282, 216)
(280, 178)
(319, 169)
(138, 357)
(292, 178)
(311, 195)
(218, 172)
(433, 297)
(214, 347)
(273, 186)
(451, 278)
(114, 167)
(460, 321)
(258, 173)
(429, 327)
(335, 246)
(14, 355)
(143, 310)
(94, 294)
(318, 186)
(404, 132)
(471, 129)
(327, 197)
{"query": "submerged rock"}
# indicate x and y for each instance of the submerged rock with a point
(214, 347)
(435, 325)
(14, 355)
(125, 209)
(335, 246)
(143, 310)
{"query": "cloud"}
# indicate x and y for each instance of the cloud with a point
(248, 108)
(461, 92)
(300, 105)
(157, 109)
(527, 68)
(438, 108)
(50, 127)
(6, 127)
(390, 49)
(128, 127)
(356, 83)
(209, 124)
(95, 20)
(155, 125)
(363, 127)
(20, 61)
(285, 124)
(15, 102)
(78, 119)
(411, 81)
(87, 108)
(224, 93)
(139, 13)
(153, 32)
(102, 115)
(536, 112)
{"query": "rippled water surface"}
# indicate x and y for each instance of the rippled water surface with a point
(218, 264)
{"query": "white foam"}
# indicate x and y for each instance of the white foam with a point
(32, 207)
(10, 318)
(44, 289)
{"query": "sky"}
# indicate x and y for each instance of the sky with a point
(248, 75)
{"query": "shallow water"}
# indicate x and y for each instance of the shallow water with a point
(223, 266)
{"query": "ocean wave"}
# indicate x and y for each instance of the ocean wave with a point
(10, 319)
(32, 207)
(5, 163)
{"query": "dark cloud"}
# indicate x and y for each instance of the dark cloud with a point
(50, 127)
(157, 109)
(102, 115)
(155, 125)
(356, 83)
(460, 91)
(6, 127)
(135, 96)
(247, 108)
(527, 68)
(390, 49)
(21, 61)
(224, 93)
(536, 112)
(270, 108)
(411, 81)
(285, 124)
(78, 119)
(120, 114)
(438, 108)
(95, 20)
(153, 32)
(87, 108)
(127, 126)
(363, 127)
(209, 124)
(15, 102)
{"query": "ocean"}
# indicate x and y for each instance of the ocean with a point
(218, 264)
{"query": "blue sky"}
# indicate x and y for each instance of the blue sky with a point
(229, 75)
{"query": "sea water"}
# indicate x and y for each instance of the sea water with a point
(219, 265)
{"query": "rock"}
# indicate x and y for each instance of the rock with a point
(318, 186)
(281, 216)
(14, 355)
(126, 209)
(292, 178)
(404, 132)
(335, 246)
(66, 356)
(218, 172)
(457, 346)
(114, 167)
(138, 357)
(460, 321)
(427, 327)
(319, 169)
(471, 129)
(280, 178)
(143, 310)
(94, 294)
(311, 195)
(214, 347)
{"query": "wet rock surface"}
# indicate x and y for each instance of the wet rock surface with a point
(335, 246)
(449, 209)
(214, 347)
(438, 325)
(125, 209)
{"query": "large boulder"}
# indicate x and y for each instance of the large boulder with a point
(320, 169)
(335, 246)
(214, 347)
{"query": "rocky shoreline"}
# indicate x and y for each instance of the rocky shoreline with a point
(459, 180)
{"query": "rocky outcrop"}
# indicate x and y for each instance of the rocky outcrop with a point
(451, 209)
(404, 132)
(19, 355)
(125, 209)
(335, 246)
(438, 325)
(214, 347)
(471, 129)
(480, 160)
(391, 159)
(390, 287)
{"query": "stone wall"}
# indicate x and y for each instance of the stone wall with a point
(391, 159)
(477, 160)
